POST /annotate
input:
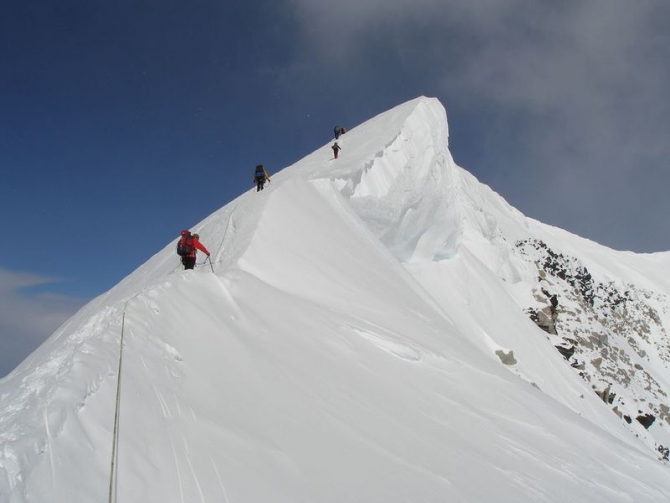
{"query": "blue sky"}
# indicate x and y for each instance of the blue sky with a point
(123, 122)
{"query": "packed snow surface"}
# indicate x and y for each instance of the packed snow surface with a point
(346, 347)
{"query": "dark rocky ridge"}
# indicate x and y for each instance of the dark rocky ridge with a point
(608, 331)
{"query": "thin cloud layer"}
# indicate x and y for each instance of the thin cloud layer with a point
(27, 320)
(576, 93)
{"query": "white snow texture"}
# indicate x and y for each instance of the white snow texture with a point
(345, 349)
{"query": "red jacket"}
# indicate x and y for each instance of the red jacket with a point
(196, 244)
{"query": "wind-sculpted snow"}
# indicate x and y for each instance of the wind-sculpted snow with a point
(363, 337)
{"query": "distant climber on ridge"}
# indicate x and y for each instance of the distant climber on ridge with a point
(336, 149)
(187, 248)
(260, 175)
(339, 130)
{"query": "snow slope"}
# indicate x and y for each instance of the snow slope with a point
(347, 347)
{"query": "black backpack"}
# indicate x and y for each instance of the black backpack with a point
(185, 245)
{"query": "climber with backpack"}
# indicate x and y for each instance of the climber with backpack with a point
(339, 130)
(260, 176)
(187, 248)
(336, 149)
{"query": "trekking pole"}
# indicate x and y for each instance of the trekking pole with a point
(210, 262)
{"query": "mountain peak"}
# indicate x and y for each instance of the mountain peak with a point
(377, 327)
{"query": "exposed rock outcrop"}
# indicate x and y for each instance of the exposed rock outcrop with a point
(605, 329)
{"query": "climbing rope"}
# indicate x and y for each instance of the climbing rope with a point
(225, 232)
(113, 474)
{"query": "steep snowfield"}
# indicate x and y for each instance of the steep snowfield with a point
(347, 348)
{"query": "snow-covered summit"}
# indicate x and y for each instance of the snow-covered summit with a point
(369, 332)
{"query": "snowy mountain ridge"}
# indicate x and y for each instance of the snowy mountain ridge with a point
(371, 332)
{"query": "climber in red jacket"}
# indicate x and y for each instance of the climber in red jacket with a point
(187, 248)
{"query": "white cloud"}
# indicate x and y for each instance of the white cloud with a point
(580, 87)
(27, 320)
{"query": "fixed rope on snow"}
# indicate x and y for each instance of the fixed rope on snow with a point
(115, 434)
(225, 232)
(113, 472)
